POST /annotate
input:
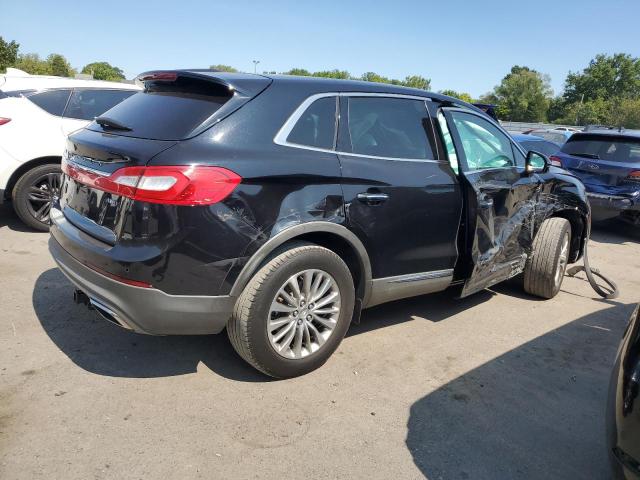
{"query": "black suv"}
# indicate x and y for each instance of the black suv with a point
(279, 207)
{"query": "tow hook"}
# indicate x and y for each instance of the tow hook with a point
(81, 298)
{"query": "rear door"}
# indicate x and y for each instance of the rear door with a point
(604, 163)
(500, 198)
(402, 201)
(86, 104)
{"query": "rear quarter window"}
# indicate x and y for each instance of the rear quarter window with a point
(317, 125)
(51, 101)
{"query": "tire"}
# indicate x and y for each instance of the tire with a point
(545, 267)
(251, 328)
(33, 193)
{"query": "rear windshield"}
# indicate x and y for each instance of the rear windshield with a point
(168, 110)
(600, 147)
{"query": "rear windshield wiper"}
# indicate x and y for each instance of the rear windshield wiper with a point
(587, 155)
(106, 122)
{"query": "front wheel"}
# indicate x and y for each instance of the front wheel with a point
(545, 267)
(294, 312)
(33, 194)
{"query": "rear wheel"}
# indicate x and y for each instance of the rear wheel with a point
(545, 267)
(33, 194)
(294, 312)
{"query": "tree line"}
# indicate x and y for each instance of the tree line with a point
(54, 64)
(606, 91)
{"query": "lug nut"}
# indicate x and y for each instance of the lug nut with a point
(309, 317)
(295, 313)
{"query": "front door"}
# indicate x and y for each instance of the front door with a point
(501, 199)
(402, 201)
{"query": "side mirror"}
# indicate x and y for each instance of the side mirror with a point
(536, 162)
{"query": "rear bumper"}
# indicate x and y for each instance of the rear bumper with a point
(145, 310)
(610, 206)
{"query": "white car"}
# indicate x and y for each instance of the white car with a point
(36, 114)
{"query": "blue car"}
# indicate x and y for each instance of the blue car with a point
(608, 163)
(537, 144)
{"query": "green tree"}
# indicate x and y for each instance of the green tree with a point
(465, 97)
(59, 66)
(223, 68)
(8, 54)
(605, 77)
(522, 96)
(626, 113)
(342, 74)
(104, 71)
(33, 64)
(301, 72)
(374, 77)
(416, 81)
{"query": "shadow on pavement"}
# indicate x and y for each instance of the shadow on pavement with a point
(100, 347)
(615, 231)
(535, 412)
(9, 219)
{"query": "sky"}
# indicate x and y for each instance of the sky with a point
(467, 46)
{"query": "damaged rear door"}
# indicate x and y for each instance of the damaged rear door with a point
(500, 199)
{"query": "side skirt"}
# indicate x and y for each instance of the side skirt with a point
(403, 286)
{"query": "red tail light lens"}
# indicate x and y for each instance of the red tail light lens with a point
(4, 120)
(555, 161)
(634, 176)
(187, 185)
(159, 76)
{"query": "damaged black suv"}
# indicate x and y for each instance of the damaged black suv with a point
(279, 207)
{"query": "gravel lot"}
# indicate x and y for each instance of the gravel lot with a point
(499, 385)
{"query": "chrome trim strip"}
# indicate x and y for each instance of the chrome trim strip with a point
(289, 124)
(414, 277)
(85, 168)
(389, 289)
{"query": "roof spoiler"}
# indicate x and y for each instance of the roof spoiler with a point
(242, 84)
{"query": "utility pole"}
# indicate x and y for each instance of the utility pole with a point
(255, 66)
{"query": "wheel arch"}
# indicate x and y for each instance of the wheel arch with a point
(330, 235)
(579, 230)
(24, 168)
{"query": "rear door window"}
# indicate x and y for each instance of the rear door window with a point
(51, 101)
(601, 147)
(389, 127)
(89, 104)
(317, 125)
(169, 110)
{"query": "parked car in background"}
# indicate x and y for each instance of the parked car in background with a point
(607, 160)
(279, 207)
(552, 135)
(538, 144)
(623, 409)
(36, 114)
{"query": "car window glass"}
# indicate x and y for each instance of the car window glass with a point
(316, 127)
(448, 142)
(88, 104)
(600, 147)
(389, 127)
(52, 101)
(485, 146)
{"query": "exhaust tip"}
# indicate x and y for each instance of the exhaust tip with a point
(81, 298)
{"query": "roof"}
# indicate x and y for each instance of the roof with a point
(14, 81)
(521, 137)
(325, 84)
(611, 132)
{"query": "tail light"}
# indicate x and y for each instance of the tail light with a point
(555, 161)
(4, 120)
(188, 185)
(633, 176)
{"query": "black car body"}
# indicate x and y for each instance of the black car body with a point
(623, 410)
(371, 172)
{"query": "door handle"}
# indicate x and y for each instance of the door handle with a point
(485, 201)
(372, 198)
